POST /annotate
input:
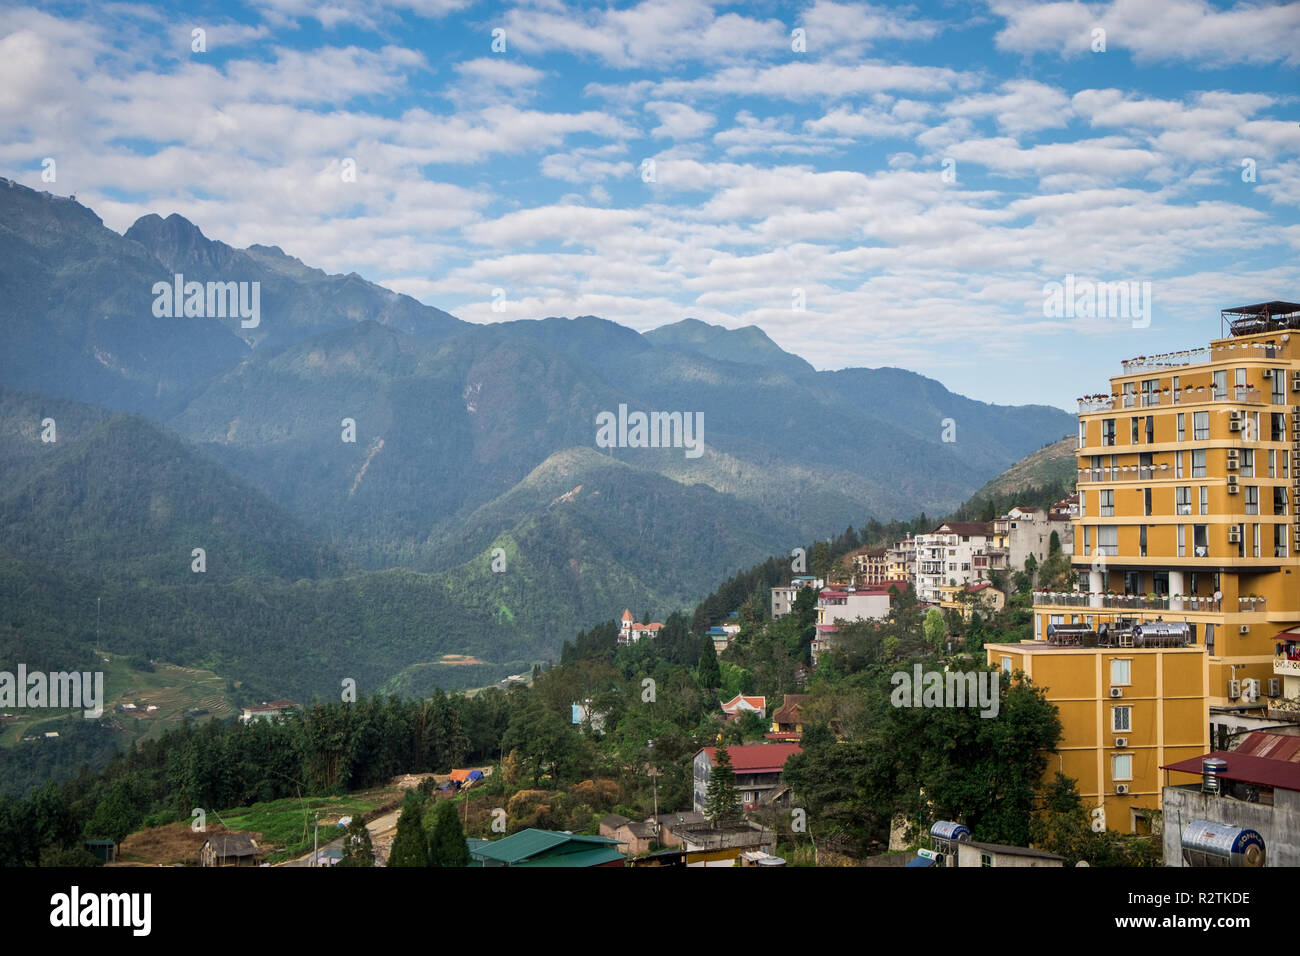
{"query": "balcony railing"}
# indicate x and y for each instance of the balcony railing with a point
(1123, 473)
(1248, 605)
(1124, 602)
(1167, 360)
(1192, 394)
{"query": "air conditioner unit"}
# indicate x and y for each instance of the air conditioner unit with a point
(1275, 687)
(1233, 454)
(1234, 536)
(1233, 487)
(1233, 463)
(1234, 424)
(1117, 692)
(1244, 629)
(1121, 788)
(1267, 373)
(1121, 743)
(1250, 689)
(1234, 689)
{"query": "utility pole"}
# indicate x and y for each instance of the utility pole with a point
(315, 843)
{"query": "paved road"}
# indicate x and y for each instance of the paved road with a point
(382, 830)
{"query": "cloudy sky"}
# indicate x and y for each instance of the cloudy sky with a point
(871, 185)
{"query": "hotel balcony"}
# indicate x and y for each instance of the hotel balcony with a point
(1125, 602)
(1192, 395)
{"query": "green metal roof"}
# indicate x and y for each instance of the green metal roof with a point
(526, 844)
(592, 857)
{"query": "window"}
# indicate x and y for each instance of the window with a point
(1182, 540)
(1107, 503)
(1132, 582)
(1120, 672)
(1279, 541)
(1108, 539)
(1087, 547)
(1198, 464)
(1121, 766)
(1201, 540)
(1182, 427)
(1255, 539)
(1146, 501)
(1279, 386)
(1006, 661)
(985, 859)
(1252, 499)
(1176, 389)
(1178, 463)
(1142, 541)
(1272, 463)
(1121, 719)
(1220, 384)
(1151, 429)
(1182, 500)
(1248, 463)
(1201, 426)
(1083, 434)
(1205, 499)
(1108, 431)
(1133, 436)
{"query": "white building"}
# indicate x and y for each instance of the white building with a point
(955, 552)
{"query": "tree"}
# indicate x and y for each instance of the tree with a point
(357, 848)
(409, 847)
(447, 846)
(115, 816)
(722, 803)
(934, 627)
(708, 674)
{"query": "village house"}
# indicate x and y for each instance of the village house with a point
(230, 849)
(757, 769)
(270, 712)
(740, 703)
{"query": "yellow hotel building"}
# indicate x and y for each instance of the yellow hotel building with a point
(1187, 546)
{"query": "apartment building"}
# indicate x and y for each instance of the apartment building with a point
(1025, 531)
(956, 552)
(783, 596)
(900, 560)
(1128, 706)
(870, 565)
(1188, 556)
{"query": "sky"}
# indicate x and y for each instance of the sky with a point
(892, 185)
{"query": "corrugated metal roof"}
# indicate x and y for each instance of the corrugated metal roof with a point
(1273, 746)
(756, 758)
(1261, 771)
(593, 857)
(529, 843)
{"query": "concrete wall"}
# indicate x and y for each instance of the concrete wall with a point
(1279, 824)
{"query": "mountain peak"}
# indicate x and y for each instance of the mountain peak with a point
(748, 345)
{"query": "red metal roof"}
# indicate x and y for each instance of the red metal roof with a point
(1273, 746)
(757, 758)
(1261, 771)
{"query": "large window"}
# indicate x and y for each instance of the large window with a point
(1198, 464)
(1133, 435)
(1201, 540)
(1248, 463)
(1108, 431)
(1107, 503)
(1220, 384)
(1146, 501)
(1108, 539)
(1201, 426)
(1121, 767)
(1252, 499)
(1205, 499)
(1182, 427)
(1182, 500)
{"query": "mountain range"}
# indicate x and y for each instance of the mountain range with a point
(357, 445)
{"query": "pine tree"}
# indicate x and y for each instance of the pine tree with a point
(710, 676)
(721, 803)
(357, 848)
(447, 846)
(409, 846)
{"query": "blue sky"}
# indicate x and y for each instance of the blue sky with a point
(918, 173)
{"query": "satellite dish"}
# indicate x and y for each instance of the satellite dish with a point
(1218, 595)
